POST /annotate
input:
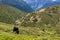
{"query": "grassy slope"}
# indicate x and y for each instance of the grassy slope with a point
(9, 14)
(26, 33)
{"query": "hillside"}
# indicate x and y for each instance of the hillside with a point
(35, 26)
(9, 14)
(50, 16)
(27, 33)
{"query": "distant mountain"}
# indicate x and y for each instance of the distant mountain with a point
(50, 16)
(9, 14)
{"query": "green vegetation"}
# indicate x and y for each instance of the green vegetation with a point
(36, 26)
(9, 14)
(26, 33)
(3, 36)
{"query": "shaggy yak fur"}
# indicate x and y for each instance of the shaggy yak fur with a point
(16, 30)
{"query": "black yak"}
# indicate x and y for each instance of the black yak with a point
(16, 30)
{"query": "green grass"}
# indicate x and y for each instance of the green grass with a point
(26, 33)
(11, 36)
(10, 14)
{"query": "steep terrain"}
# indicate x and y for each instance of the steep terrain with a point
(35, 26)
(9, 14)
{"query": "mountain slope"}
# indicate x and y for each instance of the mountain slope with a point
(9, 14)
